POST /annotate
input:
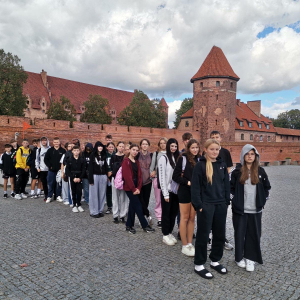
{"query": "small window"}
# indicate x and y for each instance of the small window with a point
(53, 124)
(216, 122)
(43, 111)
(187, 124)
(201, 84)
(267, 126)
(217, 97)
(250, 124)
(251, 137)
(28, 102)
(43, 104)
(261, 138)
(27, 109)
(269, 138)
(231, 84)
(242, 136)
(292, 138)
(241, 123)
(218, 83)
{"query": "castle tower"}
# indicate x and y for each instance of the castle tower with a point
(214, 89)
(166, 108)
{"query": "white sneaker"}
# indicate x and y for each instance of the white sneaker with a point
(150, 222)
(71, 205)
(249, 265)
(48, 200)
(80, 209)
(241, 263)
(59, 199)
(167, 240)
(172, 237)
(23, 196)
(18, 197)
(75, 209)
(228, 246)
(66, 203)
(188, 251)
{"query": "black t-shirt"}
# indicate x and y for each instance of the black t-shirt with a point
(226, 157)
(135, 170)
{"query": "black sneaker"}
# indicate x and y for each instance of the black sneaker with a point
(5, 196)
(26, 193)
(101, 215)
(131, 230)
(95, 216)
(159, 224)
(149, 229)
(109, 211)
(123, 220)
(116, 220)
(178, 236)
(13, 194)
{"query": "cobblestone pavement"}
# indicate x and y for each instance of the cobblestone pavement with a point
(73, 256)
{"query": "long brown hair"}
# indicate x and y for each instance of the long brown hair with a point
(209, 167)
(190, 157)
(253, 171)
(132, 146)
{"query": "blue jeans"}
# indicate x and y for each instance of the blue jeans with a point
(53, 185)
(85, 185)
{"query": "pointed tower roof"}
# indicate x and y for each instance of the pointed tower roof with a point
(163, 102)
(215, 65)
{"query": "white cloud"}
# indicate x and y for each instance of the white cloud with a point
(151, 45)
(278, 108)
(173, 106)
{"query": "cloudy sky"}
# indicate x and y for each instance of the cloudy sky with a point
(157, 46)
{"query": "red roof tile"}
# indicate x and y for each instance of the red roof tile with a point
(245, 114)
(163, 102)
(188, 114)
(287, 131)
(215, 65)
(77, 92)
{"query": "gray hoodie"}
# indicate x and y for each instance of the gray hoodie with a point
(40, 155)
(245, 150)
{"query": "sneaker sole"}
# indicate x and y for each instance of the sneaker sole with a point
(168, 243)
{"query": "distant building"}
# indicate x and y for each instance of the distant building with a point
(215, 107)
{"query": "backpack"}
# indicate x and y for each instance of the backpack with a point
(29, 160)
(119, 180)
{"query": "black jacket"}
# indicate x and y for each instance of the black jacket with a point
(187, 173)
(115, 163)
(53, 157)
(7, 165)
(75, 168)
(204, 192)
(237, 190)
(86, 155)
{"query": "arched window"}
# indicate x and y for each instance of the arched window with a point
(251, 137)
(201, 84)
(218, 83)
(242, 136)
(261, 138)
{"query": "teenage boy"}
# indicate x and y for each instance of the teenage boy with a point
(75, 169)
(22, 169)
(52, 161)
(226, 157)
(33, 171)
(8, 167)
(40, 165)
(108, 138)
(185, 139)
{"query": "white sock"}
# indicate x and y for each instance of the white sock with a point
(190, 244)
(38, 191)
(214, 264)
(200, 268)
(32, 192)
(5, 192)
(184, 246)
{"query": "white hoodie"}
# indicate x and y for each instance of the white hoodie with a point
(40, 155)
(165, 171)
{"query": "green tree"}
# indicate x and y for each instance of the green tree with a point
(288, 119)
(62, 109)
(143, 112)
(12, 78)
(96, 110)
(186, 104)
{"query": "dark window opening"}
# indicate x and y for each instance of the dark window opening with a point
(261, 138)
(218, 83)
(53, 124)
(242, 136)
(187, 124)
(231, 84)
(201, 84)
(251, 137)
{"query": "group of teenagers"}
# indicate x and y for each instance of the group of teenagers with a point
(186, 183)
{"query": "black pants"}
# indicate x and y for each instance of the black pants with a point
(144, 197)
(21, 180)
(76, 189)
(135, 207)
(43, 177)
(247, 233)
(169, 211)
(212, 217)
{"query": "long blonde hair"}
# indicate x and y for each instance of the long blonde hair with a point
(209, 167)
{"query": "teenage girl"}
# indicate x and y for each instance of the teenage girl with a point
(250, 189)
(119, 198)
(97, 180)
(169, 200)
(132, 176)
(162, 144)
(109, 153)
(187, 211)
(210, 191)
(144, 158)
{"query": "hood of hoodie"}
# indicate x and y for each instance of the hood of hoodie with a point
(245, 150)
(95, 151)
(88, 145)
